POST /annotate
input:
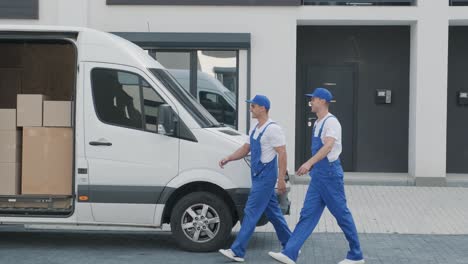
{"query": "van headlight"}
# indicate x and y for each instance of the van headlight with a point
(247, 159)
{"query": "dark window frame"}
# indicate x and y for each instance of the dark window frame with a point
(208, 2)
(362, 2)
(458, 2)
(19, 9)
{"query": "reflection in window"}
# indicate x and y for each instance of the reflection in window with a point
(121, 97)
(174, 60)
(116, 102)
(218, 107)
(217, 77)
(217, 73)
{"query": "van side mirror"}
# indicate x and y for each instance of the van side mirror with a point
(167, 120)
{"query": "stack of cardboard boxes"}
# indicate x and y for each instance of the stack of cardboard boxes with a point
(10, 153)
(47, 147)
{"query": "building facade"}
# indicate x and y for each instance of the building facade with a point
(397, 68)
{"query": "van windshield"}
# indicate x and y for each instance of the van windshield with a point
(199, 113)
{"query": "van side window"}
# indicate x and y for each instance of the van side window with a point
(125, 99)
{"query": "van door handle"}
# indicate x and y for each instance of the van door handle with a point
(100, 143)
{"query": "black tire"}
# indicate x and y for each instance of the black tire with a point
(220, 231)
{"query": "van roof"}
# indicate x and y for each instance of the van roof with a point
(95, 45)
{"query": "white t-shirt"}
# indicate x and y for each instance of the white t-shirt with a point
(272, 138)
(332, 128)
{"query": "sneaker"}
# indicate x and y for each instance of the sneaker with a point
(281, 257)
(228, 253)
(348, 261)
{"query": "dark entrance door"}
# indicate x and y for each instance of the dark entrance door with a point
(340, 81)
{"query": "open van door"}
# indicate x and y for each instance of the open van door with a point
(131, 156)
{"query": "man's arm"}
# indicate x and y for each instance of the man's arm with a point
(321, 154)
(238, 154)
(282, 164)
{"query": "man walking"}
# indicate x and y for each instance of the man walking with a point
(326, 186)
(267, 145)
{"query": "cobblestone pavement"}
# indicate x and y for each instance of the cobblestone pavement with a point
(396, 225)
(106, 248)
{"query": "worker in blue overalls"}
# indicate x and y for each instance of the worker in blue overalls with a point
(267, 145)
(326, 187)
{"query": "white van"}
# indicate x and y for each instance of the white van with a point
(211, 94)
(145, 152)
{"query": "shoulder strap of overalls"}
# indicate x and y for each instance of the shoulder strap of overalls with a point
(323, 124)
(253, 131)
(261, 134)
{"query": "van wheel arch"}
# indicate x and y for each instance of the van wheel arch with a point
(208, 187)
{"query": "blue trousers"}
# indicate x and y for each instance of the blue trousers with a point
(262, 199)
(324, 190)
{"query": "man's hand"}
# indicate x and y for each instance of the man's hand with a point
(238, 154)
(223, 162)
(281, 186)
(305, 168)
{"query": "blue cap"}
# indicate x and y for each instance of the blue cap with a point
(321, 93)
(260, 100)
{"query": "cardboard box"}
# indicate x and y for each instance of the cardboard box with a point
(7, 119)
(47, 161)
(10, 178)
(57, 113)
(10, 146)
(29, 110)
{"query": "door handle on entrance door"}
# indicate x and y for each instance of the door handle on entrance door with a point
(100, 143)
(309, 121)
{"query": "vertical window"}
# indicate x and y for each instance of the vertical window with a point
(203, 72)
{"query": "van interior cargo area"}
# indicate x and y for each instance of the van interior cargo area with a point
(37, 87)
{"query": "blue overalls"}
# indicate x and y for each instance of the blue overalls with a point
(262, 198)
(326, 188)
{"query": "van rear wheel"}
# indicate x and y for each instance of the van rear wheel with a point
(201, 222)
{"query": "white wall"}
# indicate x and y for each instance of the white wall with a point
(273, 31)
(428, 94)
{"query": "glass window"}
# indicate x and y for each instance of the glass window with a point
(174, 59)
(217, 77)
(216, 72)
(217, 105)
(122, 98)
(179, 63)
(198, 112)
(117, 102)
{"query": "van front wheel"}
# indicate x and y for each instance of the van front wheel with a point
(201, 222)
